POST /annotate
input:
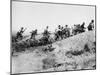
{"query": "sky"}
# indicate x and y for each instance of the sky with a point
(33, 16)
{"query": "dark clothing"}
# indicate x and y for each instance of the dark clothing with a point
(19, 33)
(33, 34)
(89, 27)
(46, 33)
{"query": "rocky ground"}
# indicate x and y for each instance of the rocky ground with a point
(74, 53)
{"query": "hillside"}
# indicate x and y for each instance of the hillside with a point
(76, 42)
(74, 53)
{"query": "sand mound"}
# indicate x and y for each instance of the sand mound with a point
(74, 53)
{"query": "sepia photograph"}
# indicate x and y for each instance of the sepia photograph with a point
(52, 37)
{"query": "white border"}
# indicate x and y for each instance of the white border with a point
(5, 37)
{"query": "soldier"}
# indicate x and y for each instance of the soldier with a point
(77, 29)
(46, 32)
(46, 36)
(67, 32)
(19, 33)
(62, 32)
(66, 27)
(83, 24)
(22, 30)
(33, 34)
(82, 27)
(59, 27)
(56, 34)
(91, 25)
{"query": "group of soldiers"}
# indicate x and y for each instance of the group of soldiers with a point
(60, 33)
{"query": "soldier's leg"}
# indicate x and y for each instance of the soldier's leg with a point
(68, 33)
(31, 36)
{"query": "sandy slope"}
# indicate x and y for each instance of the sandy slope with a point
(77, 41)
(59, 59)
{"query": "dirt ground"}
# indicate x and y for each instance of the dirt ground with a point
(74, 53)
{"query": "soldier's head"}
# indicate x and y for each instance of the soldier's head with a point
(83, 22)
(92, 21)
(22, 28)
(47, 27)
(59, 26)
(66, 25)
(35, 29)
